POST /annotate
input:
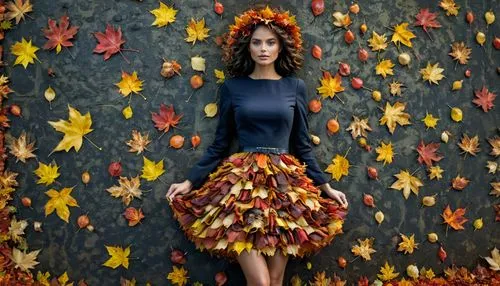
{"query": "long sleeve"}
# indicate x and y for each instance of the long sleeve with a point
(300, 139)
(215, 152)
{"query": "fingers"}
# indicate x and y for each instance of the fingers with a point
(171, 192)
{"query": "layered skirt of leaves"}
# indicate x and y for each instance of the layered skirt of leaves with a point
(259, 201)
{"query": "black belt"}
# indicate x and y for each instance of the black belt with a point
(262, 149)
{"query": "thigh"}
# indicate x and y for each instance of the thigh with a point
(254, 267)
(276, 265)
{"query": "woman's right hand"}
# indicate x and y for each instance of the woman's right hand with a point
(179, 188)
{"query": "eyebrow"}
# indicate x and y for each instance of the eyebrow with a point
(273, 38)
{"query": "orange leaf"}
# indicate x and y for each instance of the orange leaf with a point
(454, 219)
(261, 160)
(133, 215)
(165, 118)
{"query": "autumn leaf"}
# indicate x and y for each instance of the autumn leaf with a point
(496, 189)
(8, 181)
(459, 183)
(387, 272)
(16, 229)
(138, 142)
(497, 212)
(407, 183)
(21, 147)
(196, 30)
(435, 172)
(384, 68)
(25, 53)
(219, 75)
(210, 109)
(384, 152)
(330, 85)
(426, 19)
(166, 118)
(341, 20)
(432, 73)
(407, 244)
(151, 170)
(377, 42)
(119, 256)
(23, 260)
(460, 53)
(454, 219)
(164, 15)
(484, 99)
(469, 145)
(18, 10)
(47, 174)
(130, 83)
(178, 276)
(59, 35)
(364, 248)
(494, 260)
(74, 130)
(110, 42)
(450, 7)
(127, 189)
(63, 279)
(60, 201)
(402, 35)
(395, 88)
(133, 215)
(430, 121)
(427, 153)
(394, 115)
(339, 167)
(492, 167)
(495, 146)
(359, 127)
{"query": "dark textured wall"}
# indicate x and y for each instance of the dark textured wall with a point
(87, 83)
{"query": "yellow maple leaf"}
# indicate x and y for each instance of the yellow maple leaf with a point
(364, 248)
(25, 53)
(395, 88)
(450, 7)
(460, 52)
(196, 31)
(407, 244)
(387, 272)
(119, 256)
(432, 73)
(435, 172)
(339, 167)
(377, 42)
(63, 279)
(393, 114)
(22, 148)
(74, 130)
(7, 182)
(47, 174)
(402, 35)
(407, 183)
(23, 260)
(427, 273)
(219, 75)
(129, 83)
(60, 201)
(330, 85)
(164, 15)
(178, 276)
(384, 68)
(151, 170)
(127, 189)
(384, 152)
(17, 10)
(430, 121)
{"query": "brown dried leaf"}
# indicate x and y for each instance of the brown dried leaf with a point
(469, 145)
(459, 52)
(138, 142)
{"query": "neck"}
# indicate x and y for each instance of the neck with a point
(266, 71)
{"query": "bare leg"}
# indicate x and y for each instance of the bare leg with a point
(277, 264)
(254, 267)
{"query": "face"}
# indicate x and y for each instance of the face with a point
(264, 42)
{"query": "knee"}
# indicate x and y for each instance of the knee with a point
(261, 280)
(276, 279)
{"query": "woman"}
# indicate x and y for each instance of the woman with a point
(260, 205)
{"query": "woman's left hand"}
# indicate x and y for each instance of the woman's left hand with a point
(335, 194)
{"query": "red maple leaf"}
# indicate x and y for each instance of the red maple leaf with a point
(427, 19)
(497, 212)
(166, 119)
(484, 99)
(110, 42)
(427, 153)
(59, 35)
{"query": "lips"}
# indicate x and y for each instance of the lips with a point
(263, 57)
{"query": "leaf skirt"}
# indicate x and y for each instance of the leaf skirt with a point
(258, 201)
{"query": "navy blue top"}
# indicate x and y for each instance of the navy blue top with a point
(261, 112)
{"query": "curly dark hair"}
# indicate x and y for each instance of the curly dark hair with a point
(239, 61)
